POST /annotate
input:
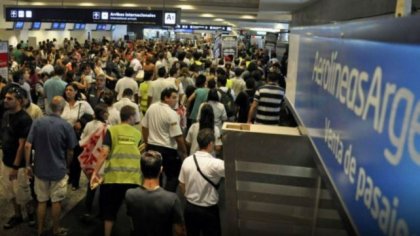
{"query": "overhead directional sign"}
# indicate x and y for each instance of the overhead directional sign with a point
(97, 15)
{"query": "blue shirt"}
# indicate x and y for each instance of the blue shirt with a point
(54, 87)
(200, 97)
(51, 137)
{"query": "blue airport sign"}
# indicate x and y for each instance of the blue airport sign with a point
(360, 103)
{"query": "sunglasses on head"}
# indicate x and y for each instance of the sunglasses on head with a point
(16, 90)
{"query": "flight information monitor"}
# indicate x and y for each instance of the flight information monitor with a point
(58, 26)
(18, 25)
(79, 26)
(36, 25)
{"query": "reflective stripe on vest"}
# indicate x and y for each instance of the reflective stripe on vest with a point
(123, 165)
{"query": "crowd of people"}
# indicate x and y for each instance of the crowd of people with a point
(141, 119)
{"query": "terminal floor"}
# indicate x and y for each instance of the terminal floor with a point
(73, 208)
(70, 204)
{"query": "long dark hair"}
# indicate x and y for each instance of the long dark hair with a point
(77, 97)
(206, 117)
(100, 111)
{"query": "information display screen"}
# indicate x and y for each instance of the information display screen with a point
(86, 15)
(19, 25)
(79, 26)
(36, 25)
(58, 26)
(103, 27)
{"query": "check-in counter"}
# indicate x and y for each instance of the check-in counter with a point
(272, 184)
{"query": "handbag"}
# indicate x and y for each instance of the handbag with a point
(216, 186)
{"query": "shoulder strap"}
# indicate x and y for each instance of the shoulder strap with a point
(216, 186)
(229, 93)
(78, 112)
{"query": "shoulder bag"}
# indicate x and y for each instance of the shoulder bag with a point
(216, 186)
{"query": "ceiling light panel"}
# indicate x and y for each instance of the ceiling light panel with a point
(186, 7)
(129, 5)
(248, 17)
(86, 4)
(38, 4)
(207, 15)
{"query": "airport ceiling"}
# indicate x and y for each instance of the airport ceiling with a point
(238, 13)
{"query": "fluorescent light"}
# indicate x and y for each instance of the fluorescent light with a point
(38, 4)
(249, 17)
(219, 19)
(183, 21)
(129, 5)
(207, 15)
(186, 7)
(264, 30)
(86, 4)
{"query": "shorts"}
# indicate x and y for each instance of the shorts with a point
(54, 190)
(111, 198)
(18, 189)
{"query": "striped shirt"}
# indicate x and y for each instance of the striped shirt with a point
(269, 98)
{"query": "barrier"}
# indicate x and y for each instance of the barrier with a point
(272, 184)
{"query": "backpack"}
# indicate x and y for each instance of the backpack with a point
(227, 100)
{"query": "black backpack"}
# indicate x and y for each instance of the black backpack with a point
(227, 100)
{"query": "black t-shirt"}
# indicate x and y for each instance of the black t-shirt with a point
(153, 212)
(93, 99)
(14, 127)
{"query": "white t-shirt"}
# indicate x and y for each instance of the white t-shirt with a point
(197, 190)
(124, 83)
(90, 128)
(157, 86)
(126, 102)
(163, 124)
(219, 113)
(187, 61)
(192, 137)
(180, 89)
(48, 69)
(136, 65)
(226, 89)
(114, 116)
(72, 114)
(238, 85)
(162, 63)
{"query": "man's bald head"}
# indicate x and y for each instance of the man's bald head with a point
(57, 105)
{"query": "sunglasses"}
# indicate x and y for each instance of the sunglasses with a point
(19, 92)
